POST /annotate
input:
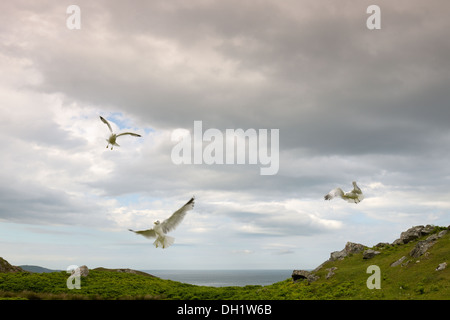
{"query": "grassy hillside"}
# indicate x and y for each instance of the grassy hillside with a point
(415, 279)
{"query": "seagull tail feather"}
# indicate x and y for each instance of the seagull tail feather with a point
(164, 241)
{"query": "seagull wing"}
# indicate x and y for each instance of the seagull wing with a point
(334, 193)
(107, 123)
(356, 189)
(150, 233)
(350, 197)
(357, 193)
(353, 197)
(130, 133)
(175, 219)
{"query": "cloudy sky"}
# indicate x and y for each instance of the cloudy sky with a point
(349, 103)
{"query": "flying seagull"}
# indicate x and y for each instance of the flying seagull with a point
(112, 138)
(354, 196)
(161, 228)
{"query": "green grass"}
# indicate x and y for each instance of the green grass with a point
(416, 280)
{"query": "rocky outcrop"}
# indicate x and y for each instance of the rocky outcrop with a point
(442, 233)
(369, 253)
(382, 245)
(298, 275)
(413, 233)
(5, 267)
(84, 271)
(350, 248)
(422, 246)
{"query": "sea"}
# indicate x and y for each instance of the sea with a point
(223, 278)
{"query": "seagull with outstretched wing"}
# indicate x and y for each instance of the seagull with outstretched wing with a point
(112, 138)
(160, 229)
(354, 196)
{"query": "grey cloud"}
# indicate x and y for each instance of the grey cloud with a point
(37, 204)
(329, 85)
(334, 89)
(283, 252)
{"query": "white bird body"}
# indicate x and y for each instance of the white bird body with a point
(160, 230)
(162, 239)
(354, 196)
(112, 138)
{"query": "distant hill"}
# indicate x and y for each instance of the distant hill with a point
(123, 270)
(37, 269)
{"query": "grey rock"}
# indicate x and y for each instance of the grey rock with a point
(421, 247)
(398, 262)
(331, 272)
(338, 255)
(350, 248)
(303, 275)
(382, 245)
(413, 233)
(442, 233)
(441, 266)
(428, 229)
(369, 254)
(84, 271)
(404, 264)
